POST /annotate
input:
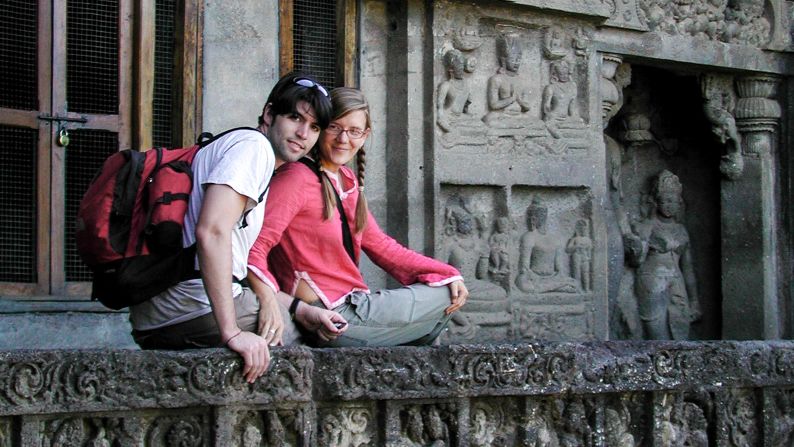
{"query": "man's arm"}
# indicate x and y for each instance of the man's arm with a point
(220, 212)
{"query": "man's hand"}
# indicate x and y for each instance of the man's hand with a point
(254, 351)
(271, 324)
(323, 322)
(458, 293)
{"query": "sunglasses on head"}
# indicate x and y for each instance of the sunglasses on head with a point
(308, 83)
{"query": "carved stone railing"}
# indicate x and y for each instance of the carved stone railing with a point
(591, 394)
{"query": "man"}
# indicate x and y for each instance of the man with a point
(225, 214)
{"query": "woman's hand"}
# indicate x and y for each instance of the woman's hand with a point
(458, 293)
(271, 323)
(327, 324)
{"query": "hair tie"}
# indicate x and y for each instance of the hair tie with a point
(360, 189)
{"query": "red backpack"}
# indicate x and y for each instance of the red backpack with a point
(130, 220)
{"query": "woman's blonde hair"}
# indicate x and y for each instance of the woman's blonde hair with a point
(346, 100)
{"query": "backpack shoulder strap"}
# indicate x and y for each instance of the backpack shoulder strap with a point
(206, 138)
(347, 237)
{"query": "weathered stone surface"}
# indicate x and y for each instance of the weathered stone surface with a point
(606, 393)
(58, 381)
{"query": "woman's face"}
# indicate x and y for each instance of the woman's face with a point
(337, 147)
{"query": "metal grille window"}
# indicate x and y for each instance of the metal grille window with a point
(92, 56)
(18, 62)
(87, 150)
(17, 204)
(71, 78)
(162, 127)
(315, 40)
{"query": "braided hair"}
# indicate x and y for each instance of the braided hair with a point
(346, 100)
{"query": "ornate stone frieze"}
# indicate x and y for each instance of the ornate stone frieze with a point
(482, 371)
(95, 380)
(382, 373)
(736, 21)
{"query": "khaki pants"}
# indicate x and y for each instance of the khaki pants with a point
(412, 315)
(202, 332)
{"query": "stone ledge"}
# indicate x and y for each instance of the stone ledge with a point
(47, 382)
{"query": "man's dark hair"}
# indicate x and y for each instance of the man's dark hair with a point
(287, 93)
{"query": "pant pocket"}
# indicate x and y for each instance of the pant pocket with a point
(360, 304)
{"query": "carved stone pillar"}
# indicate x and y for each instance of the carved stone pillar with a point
(749, 261)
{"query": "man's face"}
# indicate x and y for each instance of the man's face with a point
(292, 135)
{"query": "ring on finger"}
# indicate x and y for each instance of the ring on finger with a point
(272, 331)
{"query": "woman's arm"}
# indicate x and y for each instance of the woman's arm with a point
(405, 265)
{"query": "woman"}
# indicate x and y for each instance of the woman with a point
(304, 242)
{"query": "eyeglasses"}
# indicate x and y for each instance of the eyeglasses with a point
(353, 133)
(308, 83)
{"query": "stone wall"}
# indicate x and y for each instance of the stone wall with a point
(559, 153)
(592, 394)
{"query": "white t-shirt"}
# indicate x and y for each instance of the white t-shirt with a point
(244, 161)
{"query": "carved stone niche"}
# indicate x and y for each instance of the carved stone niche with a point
(94, 430)
(270, 427)
(684, 419)
(663, 128)
(347, 426)
(422, 423)
(493, 422)
(184, 430)
(779, 405)
(741, 416)
(477, 239)
(626, 420)
(558, 422)
(554, 244)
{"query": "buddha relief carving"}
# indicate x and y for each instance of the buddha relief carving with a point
(560, 106)
(452, 108)
(508, 97)
(540, 266)
(658, 247)
(554, 43)
(487, 304)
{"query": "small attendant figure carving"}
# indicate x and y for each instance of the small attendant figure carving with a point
(499, 261)
(580, 248)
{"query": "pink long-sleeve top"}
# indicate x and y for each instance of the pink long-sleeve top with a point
(301, 245)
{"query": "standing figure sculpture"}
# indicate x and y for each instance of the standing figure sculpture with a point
(540, 264)
(508, 99)
(659, 247)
